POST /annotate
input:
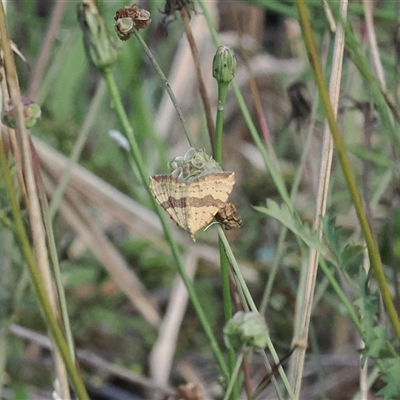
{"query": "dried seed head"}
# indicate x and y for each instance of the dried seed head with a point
(301, 103)
(124, 28)
(130, 18)
(172, 6)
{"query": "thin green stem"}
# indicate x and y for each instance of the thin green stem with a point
(271, 164)
(135, 154)
(269, 157)
(228, 308)
(233, 378)
(57, 275)
(32, 258)
(281, 371)
(167, 86)
(23, 241)
(222, 93)
(293, 193)
(236, 270)
(243, 286)
(224, 265)
(3, 357)
(373, 252)
(226, 291)
(339, 292)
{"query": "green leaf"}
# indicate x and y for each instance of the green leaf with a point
(375, 343)
(347, 257)
(293, 222)
(332, 235)
(352, 258)
(374, 335)
(380, 99)
(79, 275)
(392, 373)
(376, 157)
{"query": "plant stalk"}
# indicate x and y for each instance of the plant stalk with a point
(224, 265)
(373, 252)
(137, 159)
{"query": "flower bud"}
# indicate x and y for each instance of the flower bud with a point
(31, 110)
(224, 64)
(246, 330)
(99, 45)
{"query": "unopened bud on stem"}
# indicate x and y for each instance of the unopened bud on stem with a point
(224, 64)
(100, 47)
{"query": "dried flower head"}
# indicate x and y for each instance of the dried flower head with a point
(172, 6)
(130, 18)
(301, 103)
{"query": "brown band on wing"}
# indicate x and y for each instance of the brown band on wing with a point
(206, 201)
(172, 202)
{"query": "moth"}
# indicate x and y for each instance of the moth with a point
(193, 205)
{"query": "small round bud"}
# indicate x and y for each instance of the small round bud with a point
(224, 64)
(246, 330)
(31, 110)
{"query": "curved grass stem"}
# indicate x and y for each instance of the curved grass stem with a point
(200, 80)
(268, 155)
(137, 160)
(167, 86)
(251, 305)
(337, 137)
(26, 250)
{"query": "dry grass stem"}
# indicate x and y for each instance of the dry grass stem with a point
(93, 360)
(125, 210)
(304, 303)
(28, 167)
(139, 291)
(373, 45)
(93, 236)
(122, 208)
